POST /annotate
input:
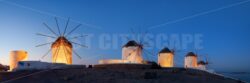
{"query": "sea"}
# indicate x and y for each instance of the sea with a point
(243, 76)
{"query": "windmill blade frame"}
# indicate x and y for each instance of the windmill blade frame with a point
(56, 54)
(43, 44)
(47, 26)
(79, 44)
(65, 29)
(143, 35)
(65, 53)
(58, 28)
(76, 37)
(148, 55)
(46, 54)
(74, 53)
(45, 35)
(73, 30)
(77, 54)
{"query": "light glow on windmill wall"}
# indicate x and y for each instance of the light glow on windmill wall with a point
(62, 51)
(133, 54)
(166, 59)
(190, 62)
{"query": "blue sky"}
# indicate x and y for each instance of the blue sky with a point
(224, 25)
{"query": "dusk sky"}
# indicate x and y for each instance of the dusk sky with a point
(223, 24)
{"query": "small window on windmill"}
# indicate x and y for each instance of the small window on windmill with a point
(28, 64)
(21, 63)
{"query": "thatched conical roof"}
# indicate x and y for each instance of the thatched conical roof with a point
(60, 40)
(202, 63)
(165, 50)
(191, 54)
(131, 43)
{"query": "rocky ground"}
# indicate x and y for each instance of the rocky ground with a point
(114, 75)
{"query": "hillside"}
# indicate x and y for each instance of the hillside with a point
(116, 75)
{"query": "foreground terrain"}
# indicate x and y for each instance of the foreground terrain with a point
(114, 75)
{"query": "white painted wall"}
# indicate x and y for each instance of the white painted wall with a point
(202, 67)
(166, 59)
(113, 61)
(133, 54)
(190, 62)
(37, 65)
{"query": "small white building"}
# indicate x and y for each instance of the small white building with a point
(190, 60)
(166, 58)
(37, 65)
(113, 61)
(202, 65)
(132, 51)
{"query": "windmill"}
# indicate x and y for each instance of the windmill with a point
(203, 61)
(208, 61)
(166, 57)
(134, 48)
(190, 60)
(62, 46)
(204, 64)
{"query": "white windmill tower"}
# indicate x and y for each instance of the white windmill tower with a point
(132, 51)
(190, 60)
(166, 58)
